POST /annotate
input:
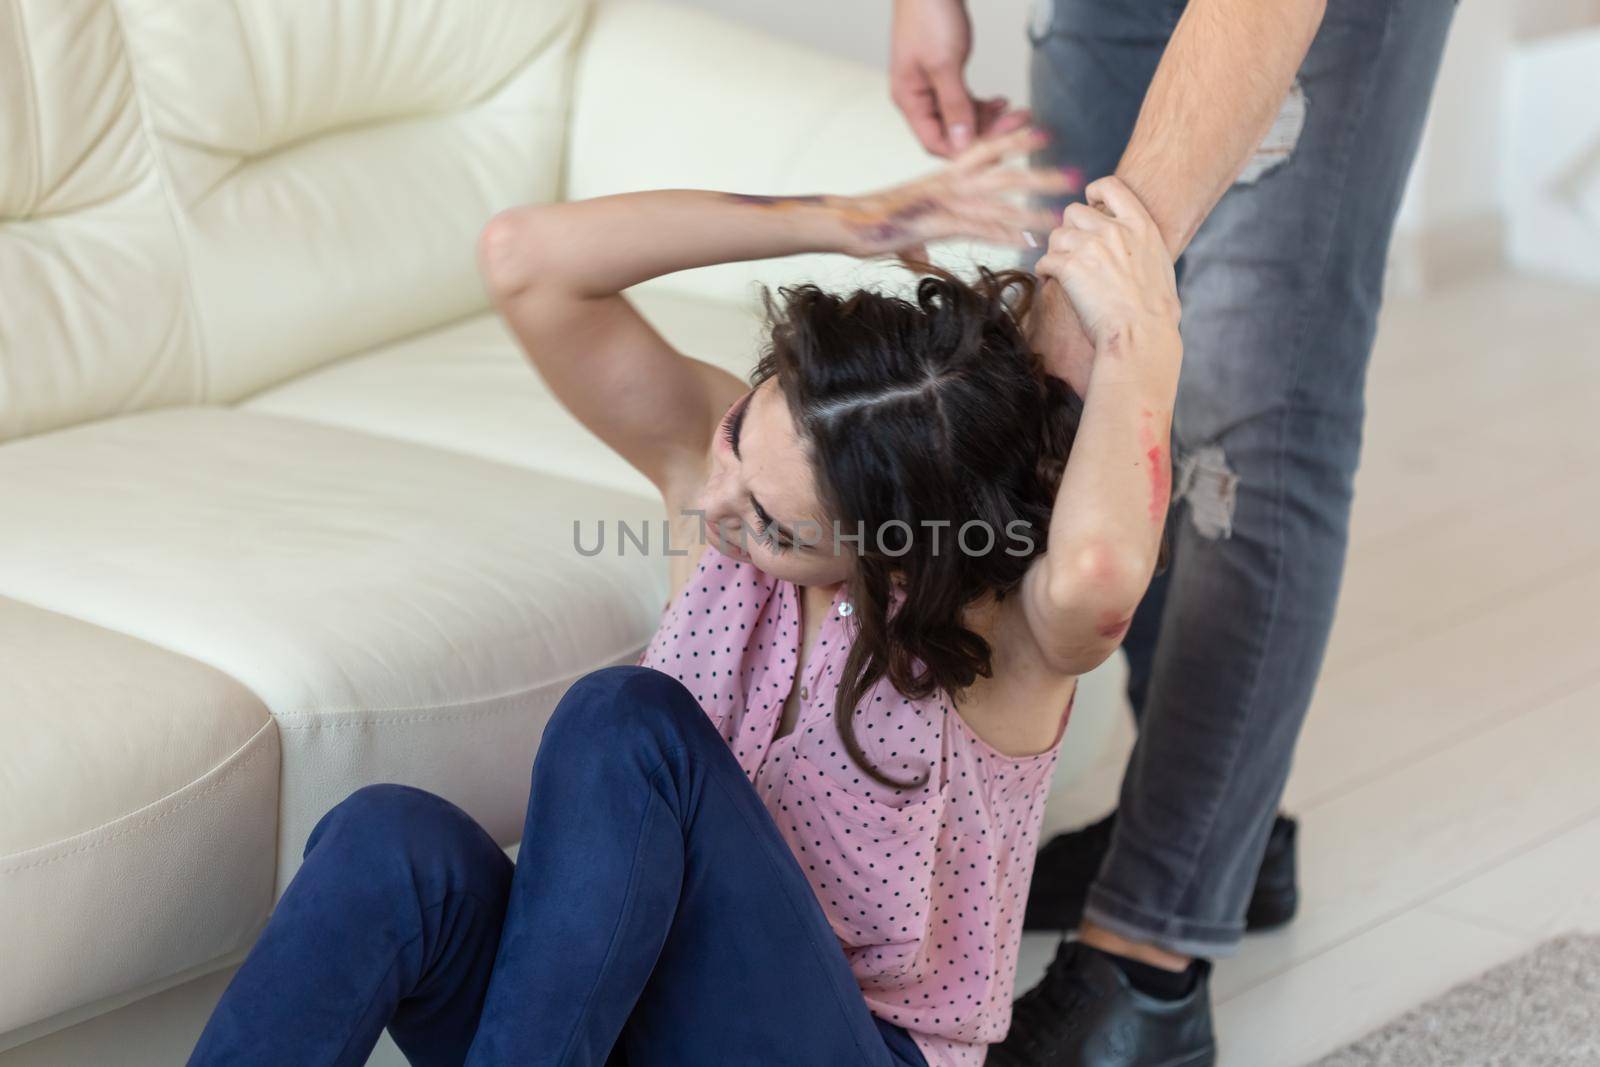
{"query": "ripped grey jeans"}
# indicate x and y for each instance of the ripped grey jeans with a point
(1280, 291)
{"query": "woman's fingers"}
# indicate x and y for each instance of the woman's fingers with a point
(999, 233)
(1084, 217)
(1013, 227)
(991, 150)
(1118, 201)
(1042, 220)
(1069, 241)
(1019, 220)
(1046, 181)
(998, 209)
(1005, 196)
(996, 117)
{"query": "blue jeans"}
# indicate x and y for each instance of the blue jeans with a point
(1280, 291)
(654, 916)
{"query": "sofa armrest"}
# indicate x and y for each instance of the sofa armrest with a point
(673, 97)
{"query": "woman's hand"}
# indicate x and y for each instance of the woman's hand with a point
(976, 196)
(1110, 258)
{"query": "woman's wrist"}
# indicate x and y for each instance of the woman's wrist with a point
(877, 223)
(1144, 349)
(863, 226)
(874, 224)
(820, 222)
(1137, 331)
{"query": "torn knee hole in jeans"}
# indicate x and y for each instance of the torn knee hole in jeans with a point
(1205, 480)
(1278, 145)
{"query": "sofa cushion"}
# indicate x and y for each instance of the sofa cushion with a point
(94, 319)
(330, 164)
(405, 613)
(468, 387)
(138, 813)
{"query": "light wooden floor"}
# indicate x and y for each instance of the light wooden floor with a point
(1448, 780)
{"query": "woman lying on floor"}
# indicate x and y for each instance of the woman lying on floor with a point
(801, 831)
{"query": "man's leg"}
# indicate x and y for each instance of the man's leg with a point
(1281, 290)
(1092, 65)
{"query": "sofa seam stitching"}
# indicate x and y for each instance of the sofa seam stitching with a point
(446, 711)
(233, 763)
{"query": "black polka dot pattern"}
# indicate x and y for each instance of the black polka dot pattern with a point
(924, 887)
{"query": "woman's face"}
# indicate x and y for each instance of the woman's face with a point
(761, 501)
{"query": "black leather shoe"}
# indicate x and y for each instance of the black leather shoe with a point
(1085, 1014)
(1069, 862)
(1276, 895)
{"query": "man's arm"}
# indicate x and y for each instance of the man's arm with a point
(1215, 93)
(1219, 85)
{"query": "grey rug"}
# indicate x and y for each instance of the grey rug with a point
(1542, 1008)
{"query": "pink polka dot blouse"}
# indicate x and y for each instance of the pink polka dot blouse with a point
(924, 887)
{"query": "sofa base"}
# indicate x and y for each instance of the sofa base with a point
(158, 1025)
(154, 1026)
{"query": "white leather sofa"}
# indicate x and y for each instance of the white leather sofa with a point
(282, 510)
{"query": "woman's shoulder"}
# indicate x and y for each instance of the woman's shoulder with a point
(712, 577)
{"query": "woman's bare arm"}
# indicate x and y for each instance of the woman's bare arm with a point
(1105, 530)
(555, 272)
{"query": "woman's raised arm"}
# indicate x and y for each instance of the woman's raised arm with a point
(1111, 507)
(555, 272)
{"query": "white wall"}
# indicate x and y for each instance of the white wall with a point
(1536, 18)
(1456, 178)
(860, 29)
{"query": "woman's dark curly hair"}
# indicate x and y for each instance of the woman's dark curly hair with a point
(932, 409)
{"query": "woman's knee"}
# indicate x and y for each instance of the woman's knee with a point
(391, 832)
(380, 817)
(624, 708)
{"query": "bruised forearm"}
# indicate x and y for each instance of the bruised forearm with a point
(1112, 501)
(1105, 529)
(593, 248)
(1218, 87)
